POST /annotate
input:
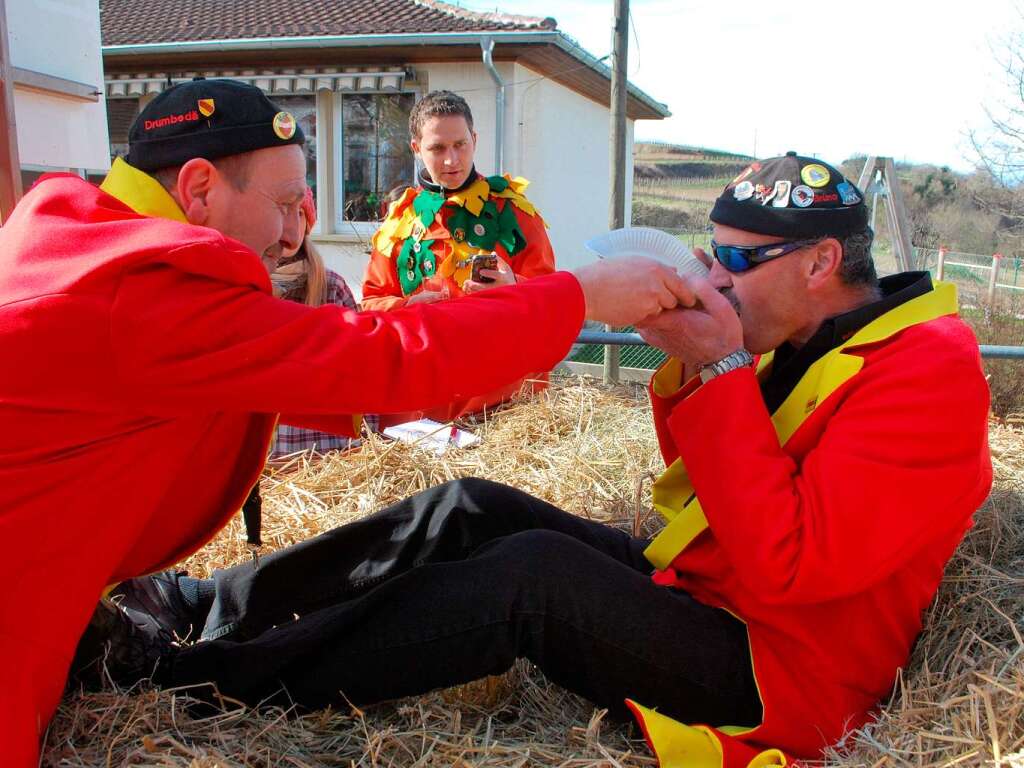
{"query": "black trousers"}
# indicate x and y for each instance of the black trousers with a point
(456, 583)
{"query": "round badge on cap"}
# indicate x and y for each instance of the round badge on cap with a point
(815, 175)
(479, 230)
(284, 125)
(802, 196)
(744, 191)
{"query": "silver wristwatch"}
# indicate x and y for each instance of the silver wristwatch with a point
(738, 359)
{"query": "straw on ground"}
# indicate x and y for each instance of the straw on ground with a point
(592, 451)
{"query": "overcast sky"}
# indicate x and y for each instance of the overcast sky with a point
(904, 78)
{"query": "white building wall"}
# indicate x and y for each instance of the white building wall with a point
(61, 39)
(562, 147)
(554, 137)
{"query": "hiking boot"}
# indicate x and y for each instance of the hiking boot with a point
(113, 648)
(155, 603)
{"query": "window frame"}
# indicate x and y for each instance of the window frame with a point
(360, 230)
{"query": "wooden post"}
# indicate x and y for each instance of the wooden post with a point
(997, 259)
(10, 165)
(617, 153)
(940, 263)
(900, 227)
(867, 174)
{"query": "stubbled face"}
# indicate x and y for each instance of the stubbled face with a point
(771, 298)
(266, 215)
(446, 147)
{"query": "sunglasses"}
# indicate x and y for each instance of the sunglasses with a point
(740, 258)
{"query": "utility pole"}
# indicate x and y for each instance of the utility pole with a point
(617, 156)
(10, 165)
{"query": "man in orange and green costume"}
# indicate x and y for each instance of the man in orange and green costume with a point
(825, 435)
(424, 249)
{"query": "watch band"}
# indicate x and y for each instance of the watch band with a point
(738, 359)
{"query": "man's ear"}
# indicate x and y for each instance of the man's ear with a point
(196, 180)
(473, 134)
(823, 261)
(414, 145)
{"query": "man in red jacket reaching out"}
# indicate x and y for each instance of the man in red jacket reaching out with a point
(826, 440)
(146, 362)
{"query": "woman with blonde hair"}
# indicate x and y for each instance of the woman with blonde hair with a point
(302, 277)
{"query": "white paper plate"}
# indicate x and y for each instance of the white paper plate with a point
(649, 242)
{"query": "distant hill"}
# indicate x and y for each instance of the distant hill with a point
(655, 160)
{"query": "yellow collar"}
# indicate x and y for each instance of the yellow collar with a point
(141, 192)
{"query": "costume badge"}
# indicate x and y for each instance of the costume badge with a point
(744, 191)
(782, 190)
(848, 193)
(206, 107)
(479, 230)
(284, 125)
(459, 235)
(752, 168)
(802, 196)
(764, 193)
(815, 175)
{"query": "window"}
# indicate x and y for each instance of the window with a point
(121, 114)
(376, 159)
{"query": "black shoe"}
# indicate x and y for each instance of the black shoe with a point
(114, 649)
(156, 604)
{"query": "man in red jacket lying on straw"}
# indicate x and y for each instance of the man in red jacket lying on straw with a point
(145, 363)
(826, 441)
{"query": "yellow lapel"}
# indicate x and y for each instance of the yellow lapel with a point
(140, 192)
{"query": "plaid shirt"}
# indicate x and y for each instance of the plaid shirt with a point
(289, 439)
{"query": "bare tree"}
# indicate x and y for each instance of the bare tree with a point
(998, 148)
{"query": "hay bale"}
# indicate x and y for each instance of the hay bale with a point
(590, 450)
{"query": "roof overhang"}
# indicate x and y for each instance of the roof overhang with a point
(551, 53)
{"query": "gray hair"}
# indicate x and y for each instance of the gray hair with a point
(858, 267)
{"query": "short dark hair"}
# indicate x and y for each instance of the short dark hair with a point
(858, 267)
(438, 104)
(237, 169)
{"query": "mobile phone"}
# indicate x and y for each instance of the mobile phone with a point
(484, 261)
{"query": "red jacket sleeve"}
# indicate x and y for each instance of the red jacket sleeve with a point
(183, 342)
(902, 460)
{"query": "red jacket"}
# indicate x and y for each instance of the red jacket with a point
(830, 545)
(145, 363)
